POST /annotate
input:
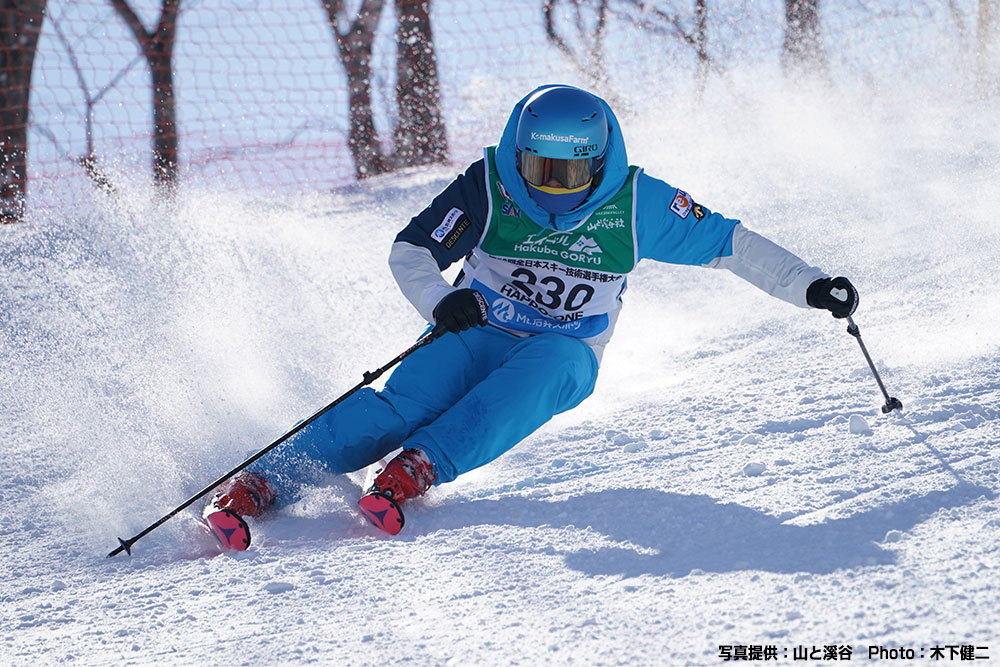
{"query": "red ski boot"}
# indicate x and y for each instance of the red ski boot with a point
(247, 494)
(408, 475)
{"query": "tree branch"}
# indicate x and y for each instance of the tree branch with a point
(168, 23)
(144, 38)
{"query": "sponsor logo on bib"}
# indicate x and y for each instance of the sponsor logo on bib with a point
(503, 310)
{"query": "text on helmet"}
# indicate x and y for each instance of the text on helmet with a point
(564, 138)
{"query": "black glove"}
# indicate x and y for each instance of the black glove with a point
(834, 294)
(460, 310)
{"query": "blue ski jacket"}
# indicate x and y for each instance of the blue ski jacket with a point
(669, 226)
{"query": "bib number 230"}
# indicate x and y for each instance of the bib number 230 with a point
(552, 290)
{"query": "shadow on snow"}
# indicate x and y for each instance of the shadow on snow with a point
(690, 532)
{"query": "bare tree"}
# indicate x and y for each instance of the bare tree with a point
(355, 47)
(701, 45)
(986, 77)
(420, 136)
(588, 60)
(692, 31)
(88, 160)
(959, 19)
(20, 25)
(157, 47)
(802, 51)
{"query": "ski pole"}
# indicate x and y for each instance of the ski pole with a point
(891, 402)
(368, 378)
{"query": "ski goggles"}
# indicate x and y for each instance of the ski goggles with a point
(571, 174)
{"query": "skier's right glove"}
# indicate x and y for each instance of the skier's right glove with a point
(834, 294)
(460, 310)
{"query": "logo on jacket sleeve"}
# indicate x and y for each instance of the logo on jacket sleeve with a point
(457, 232)
(447, 232)
(447, 224)
(681, 205)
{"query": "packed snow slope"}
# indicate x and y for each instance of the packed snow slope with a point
(731, 481)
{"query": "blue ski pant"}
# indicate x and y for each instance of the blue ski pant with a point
(463, 399)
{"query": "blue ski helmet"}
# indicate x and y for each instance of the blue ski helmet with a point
(562, 132)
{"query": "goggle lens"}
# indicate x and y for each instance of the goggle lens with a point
(570, 174)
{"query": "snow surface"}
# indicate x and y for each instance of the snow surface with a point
(715, 490)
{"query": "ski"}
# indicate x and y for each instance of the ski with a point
(228, 527)
(383, 512)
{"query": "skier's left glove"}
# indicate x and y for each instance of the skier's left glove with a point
(460, 310)
(834, 294)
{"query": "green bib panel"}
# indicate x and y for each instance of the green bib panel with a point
(604, 242)
(540, 280)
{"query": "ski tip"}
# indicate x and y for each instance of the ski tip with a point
(229, 529)
(383, 512)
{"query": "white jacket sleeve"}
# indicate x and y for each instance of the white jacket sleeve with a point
(418, 276)
(768, 266)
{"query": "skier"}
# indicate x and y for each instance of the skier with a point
(549, 223)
